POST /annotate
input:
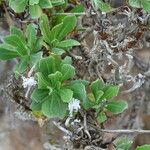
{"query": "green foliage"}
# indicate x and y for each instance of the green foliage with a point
(25, 47)
(123, 144)
(54, 90)
(35, 6)
(78, 9)
(55, 37)
(100, 99)
(117, 107)
(55, 74)
(144, 147)
(101, 117)
(78, 88)
(145, 4)
(103, 6)
(56, 86)
(135, 3)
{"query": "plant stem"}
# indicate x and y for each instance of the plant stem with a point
(62, 128)
(128, 131)
(70, 14)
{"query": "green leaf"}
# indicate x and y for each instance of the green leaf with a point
(87, 103)
(31, 34)
(45, 4)
(54, 107)
(34, 58)
(98, 96)
(18, 5)
(79, 91)
(60, 31)
(97, 87)
(39, 94)
(84, 82)
(55, 31)
(50, 92)
(69, 23)
(110, 92)
(101, 117)
(117, 107)
(45, 29)
(68, 71)
(57, 19)
(67, 43)
(46, 65)
(67, 60)
(21, 66)
(146, 5)
(18, 32)
(123, 144)
(36, 106)
(55, 77)
(58, 51)
(6, 54)
(135, 3)
(104, 7)
(54, 42)
(57, 2)
(144, 147)
(78, 9)
(38, 44)
(42, 81)
(32, 2)
(66, 95)
(16, 42)
(35, 11)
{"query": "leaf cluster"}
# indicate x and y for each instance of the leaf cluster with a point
(26, 47)
(145, 4)
(101, 99)
(54, 37)
(55, 75)
(101, 5)
(144, 147)
(53, 93)
(56, 86)
(35, 6)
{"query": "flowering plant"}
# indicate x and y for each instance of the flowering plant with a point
(51, 78)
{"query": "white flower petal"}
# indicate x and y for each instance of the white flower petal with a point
(74, 106)
(28, 82)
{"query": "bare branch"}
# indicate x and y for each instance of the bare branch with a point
(62, 128)
(128, 131)
(70, 14)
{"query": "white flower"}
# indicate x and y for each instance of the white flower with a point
(28, 82)
(74, 106)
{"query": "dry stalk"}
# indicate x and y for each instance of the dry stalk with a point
(127, 131)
